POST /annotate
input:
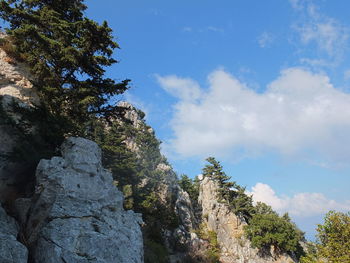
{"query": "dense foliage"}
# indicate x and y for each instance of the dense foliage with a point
(334, 237)
(190, 186)
(67, 54)
(269, 229)
(333, 240)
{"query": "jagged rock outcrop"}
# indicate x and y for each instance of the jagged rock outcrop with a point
(229, 229)
(15, 84)
(179, 241)
(11, 251)
(15, 79)
(77, 213)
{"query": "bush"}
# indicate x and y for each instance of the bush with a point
(213, 253)
(266, 230)
(334, 237)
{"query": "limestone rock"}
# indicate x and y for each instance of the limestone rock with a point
(229, 229)
(15, 84)
(11, 251)
(184, 210)
(77, 213)
(15, 79)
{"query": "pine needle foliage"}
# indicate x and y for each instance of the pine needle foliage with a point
(67, 54)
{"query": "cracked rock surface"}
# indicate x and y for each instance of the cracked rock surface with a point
(77, 213)
(229, 229)
(11, 251)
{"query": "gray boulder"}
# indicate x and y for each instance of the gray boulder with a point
(77, 213)
(11, 251)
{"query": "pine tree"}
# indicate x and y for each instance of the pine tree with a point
(67, 54)
(215, 171)
(230, 192)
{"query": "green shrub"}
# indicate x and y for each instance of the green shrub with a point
(266, 230)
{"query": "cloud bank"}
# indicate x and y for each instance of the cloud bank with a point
(299, 113)
(300, 205)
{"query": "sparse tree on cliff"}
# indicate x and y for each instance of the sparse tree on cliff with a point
(230, 192)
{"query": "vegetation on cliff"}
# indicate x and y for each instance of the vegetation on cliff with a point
(67, 54)
(265, 228)
(333, 240)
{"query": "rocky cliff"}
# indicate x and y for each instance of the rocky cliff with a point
(234, 247)
(178, 238)
(75, 215)
(15, 85)
(11, 251)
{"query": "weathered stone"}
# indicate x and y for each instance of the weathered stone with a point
(229, 229)
(11, 251)
(184, 210)
(77, 213)
(21, 207)
(15, 85)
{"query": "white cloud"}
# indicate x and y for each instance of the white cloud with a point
(299, 114)
(265, 40)
(316, 63)
(329, 35)
(301, 204)
(182, 88)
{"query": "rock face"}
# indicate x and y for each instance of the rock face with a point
(229, 229)
(15, 84)
(178, 241)
(11, 251)
(77, 213)
(15, 79)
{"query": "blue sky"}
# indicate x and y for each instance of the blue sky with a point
(261, 85)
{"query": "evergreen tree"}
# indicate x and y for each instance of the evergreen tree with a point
(264, 209)
(67, 54)
(190, 186)
(214, 170)
(241, 203)
(230, 192)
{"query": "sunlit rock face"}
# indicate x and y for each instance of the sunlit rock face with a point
(77, 213)
(229, 229)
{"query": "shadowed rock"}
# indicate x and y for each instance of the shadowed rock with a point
(11, 251)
